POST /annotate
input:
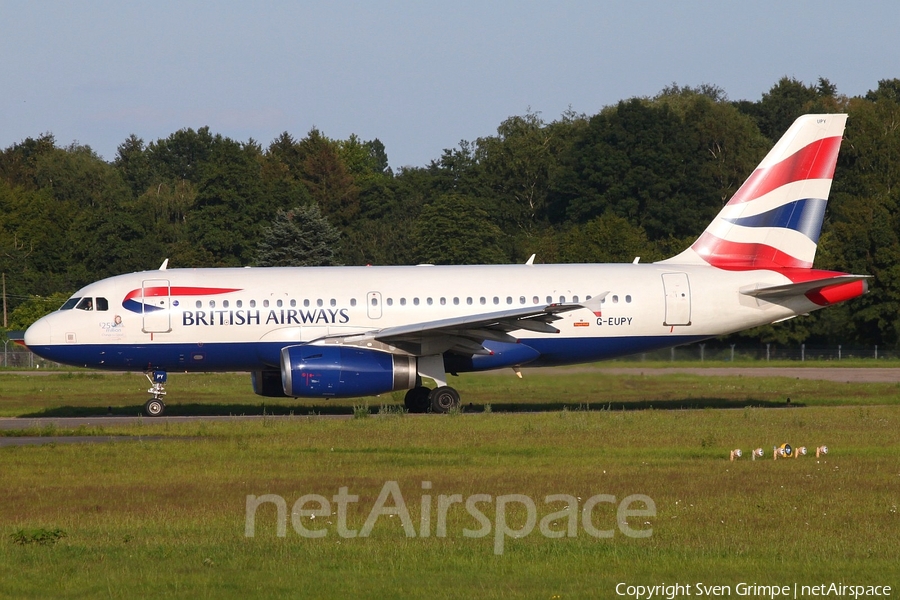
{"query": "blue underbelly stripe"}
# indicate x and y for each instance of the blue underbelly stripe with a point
(252, 356)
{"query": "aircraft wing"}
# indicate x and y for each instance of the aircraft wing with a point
(465, 335)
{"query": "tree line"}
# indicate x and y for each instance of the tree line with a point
(642, 178)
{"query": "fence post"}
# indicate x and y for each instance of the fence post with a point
(767, 352)
(839, 352)
(701, 351)
(732, 353)
(672, 358)
(802, 352)
(876, 351)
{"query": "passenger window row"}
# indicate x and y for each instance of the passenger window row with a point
(389, 301)
(101, 304)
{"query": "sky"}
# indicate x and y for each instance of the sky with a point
(418, 75)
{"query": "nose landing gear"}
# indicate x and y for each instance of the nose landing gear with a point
(155, 405)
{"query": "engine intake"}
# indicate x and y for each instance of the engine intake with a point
(344, 371)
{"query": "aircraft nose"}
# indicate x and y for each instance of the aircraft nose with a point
(38, 334)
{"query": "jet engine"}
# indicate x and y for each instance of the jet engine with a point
(267, 383)
(344, 371)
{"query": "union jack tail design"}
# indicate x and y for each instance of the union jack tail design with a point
(774, 219)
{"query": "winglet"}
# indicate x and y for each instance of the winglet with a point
(593, 304)
(530, 261)
(165, 265)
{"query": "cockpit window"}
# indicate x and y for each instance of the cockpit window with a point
(70, 304)
(86, 304)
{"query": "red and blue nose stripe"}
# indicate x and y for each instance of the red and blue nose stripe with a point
(130, 302)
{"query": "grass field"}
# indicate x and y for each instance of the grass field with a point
(73, 393)
(168, 518)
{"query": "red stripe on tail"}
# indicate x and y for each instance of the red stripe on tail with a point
(736, 256)
(833, 294)
(815, 161)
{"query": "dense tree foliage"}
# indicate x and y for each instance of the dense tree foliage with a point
(642, 178)
(454, 230)
(300, 237)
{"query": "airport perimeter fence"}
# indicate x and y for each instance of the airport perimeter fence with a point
(17, 357)
(720, 352)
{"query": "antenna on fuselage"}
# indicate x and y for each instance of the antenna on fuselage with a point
(165, 265)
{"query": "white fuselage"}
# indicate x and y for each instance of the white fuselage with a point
(217, 319)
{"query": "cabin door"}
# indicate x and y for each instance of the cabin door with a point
(155, 302)
(678, 299)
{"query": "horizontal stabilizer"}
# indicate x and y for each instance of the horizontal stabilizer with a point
(802, 288)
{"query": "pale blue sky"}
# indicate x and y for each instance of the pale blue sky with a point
(420, 76)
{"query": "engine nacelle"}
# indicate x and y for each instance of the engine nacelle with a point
(344, 371)
(267, 383)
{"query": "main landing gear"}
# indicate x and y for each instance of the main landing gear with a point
(155, 405)
(441, 399)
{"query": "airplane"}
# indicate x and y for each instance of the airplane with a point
(323, 332)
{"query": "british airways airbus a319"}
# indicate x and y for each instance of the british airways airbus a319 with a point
(357, 331)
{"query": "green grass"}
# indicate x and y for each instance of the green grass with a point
(743, 362)
(166, 518)
(91, 394)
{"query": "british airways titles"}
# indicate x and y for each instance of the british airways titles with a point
(281, 316)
